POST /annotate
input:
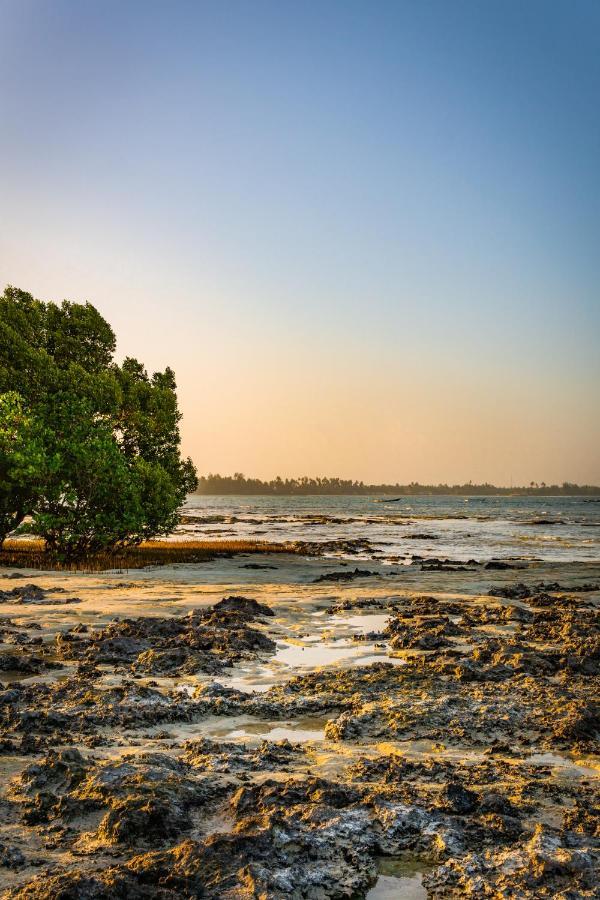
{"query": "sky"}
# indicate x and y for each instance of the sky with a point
(366, 235)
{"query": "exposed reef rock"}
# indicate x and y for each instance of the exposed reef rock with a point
(32, 593)
(471, 747)
(204, 640)
(350, 575)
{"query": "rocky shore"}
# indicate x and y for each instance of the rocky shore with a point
(302, 728)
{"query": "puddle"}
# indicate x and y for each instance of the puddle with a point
(10, 676)
(399, 879)
(313, 653)
(280, 733)
(299, 732)
(418, 749)
(562, 762)
(249, 684)
(392, 887)
(302, 656)
(312, 656)
(363, 624)
(380, 657)
(219, 823)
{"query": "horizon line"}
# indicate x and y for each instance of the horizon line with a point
(301, 480)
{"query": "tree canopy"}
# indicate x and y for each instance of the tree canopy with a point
(89, 449)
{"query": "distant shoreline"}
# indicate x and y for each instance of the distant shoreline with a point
(217, 486)
(595, 496)
(592, 495)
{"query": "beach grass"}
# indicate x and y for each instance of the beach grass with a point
(31, 554)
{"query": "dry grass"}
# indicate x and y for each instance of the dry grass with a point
(31, 554)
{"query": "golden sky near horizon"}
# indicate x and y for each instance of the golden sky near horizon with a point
(389, 424)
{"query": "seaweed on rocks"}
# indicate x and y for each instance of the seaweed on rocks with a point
(478, 754)
(344, 576)
(33, 594)
(203, 640)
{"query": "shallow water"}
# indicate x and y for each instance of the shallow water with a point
(292, 732)
(399, 878)
(261, 680)
(311, 655)
(296, 658)
(461, 528)
(380, 657)
(392, 887)
(248, 682)
(566, 765)
(362, 624)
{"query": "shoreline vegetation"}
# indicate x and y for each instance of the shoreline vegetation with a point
(32, 554)
(90, 456)
(217, 485)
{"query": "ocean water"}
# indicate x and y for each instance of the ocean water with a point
(457, 528)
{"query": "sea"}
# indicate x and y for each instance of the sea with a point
(401, 528)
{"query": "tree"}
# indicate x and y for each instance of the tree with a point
(113, 469)
(91, 499)
(22, 462)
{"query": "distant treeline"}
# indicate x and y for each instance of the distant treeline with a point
(239, 484)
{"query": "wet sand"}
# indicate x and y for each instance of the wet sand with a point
(407, 732)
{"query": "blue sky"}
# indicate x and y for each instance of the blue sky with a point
(323, 214)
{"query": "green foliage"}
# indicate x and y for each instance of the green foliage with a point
(76, 334)
(22, 462)
(110, 445)
(91, 498)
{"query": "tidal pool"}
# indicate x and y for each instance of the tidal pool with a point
(311, 656)
(363, 624)
(568, 766)
(399, 878)
(298, 656)
(279, 733)
(259, 680)
(301, 731)
(380, 657)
